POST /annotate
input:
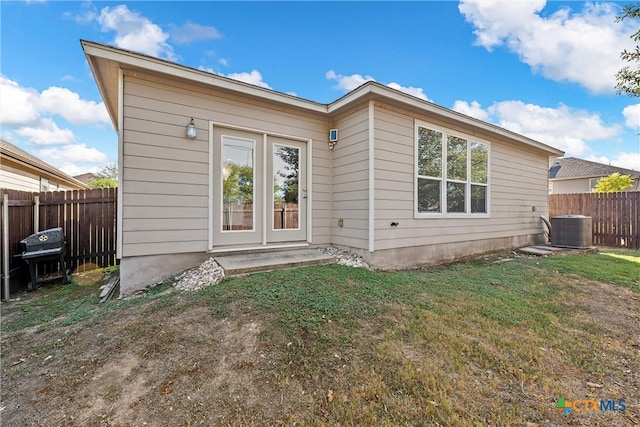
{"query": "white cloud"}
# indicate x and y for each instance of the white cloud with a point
(473, 110)
(135, 32)
(414, 91)
(32, 113)
(46, 132)
(72, 154)
(622, 160)
(581, 47)
(254, 78)
(563, 127)
(223, 61)
(19, 104)
(631, 114)
(68, 104)
(191, 32)
(349, 83)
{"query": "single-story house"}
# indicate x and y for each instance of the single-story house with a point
(20, 170)
(571, 175)
(401, 181)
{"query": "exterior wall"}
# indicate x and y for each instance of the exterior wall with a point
(517, 197)
(166, 176)
(578, 185)
(438, 253)
(350, 185)
(18, 179)
(14, 176)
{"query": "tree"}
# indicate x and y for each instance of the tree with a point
(289, 188)
(107, 177)
(613, 183)
(237, 185)
(628, 78)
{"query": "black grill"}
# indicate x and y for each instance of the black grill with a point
(47, 245)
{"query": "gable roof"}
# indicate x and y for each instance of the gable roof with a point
(17, 154)
(571, 167)
(107, 63)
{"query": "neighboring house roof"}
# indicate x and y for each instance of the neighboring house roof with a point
(85, 177)
(8, 150)
(571, 168)
(107, 62)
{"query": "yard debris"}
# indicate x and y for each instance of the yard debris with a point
(594, 385)
(207, 273)
(109, 289)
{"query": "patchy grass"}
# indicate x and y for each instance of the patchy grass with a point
(494, 341)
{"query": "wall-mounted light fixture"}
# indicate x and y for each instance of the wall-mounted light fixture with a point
(333, 138)
(192, 130)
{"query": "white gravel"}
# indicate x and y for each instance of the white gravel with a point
(207, 273)
(344, 257)
(210, 272)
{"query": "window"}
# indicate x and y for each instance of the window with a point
(592, 183)
(451, 173)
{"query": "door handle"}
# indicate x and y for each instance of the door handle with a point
(304, 193)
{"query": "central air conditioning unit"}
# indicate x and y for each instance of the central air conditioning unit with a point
(571, 231)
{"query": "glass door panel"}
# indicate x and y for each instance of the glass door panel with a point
(238, 177)
(286, 171)
(286, 187)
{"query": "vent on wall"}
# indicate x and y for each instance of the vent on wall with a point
(571, 231)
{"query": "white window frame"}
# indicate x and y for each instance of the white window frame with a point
(443, 179)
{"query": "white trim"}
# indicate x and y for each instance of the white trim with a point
(265, 135)
(443, 179)
(309, 198)
(119, 215)
(265, 192)
(240, 248)
(372, 182)
(253, 204)
(211, 184)
(260, 131)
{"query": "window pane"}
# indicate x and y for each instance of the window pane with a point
(479, 162)
(237, 184)
(429, 152)
(428, 195)
(456, 158)
(455, 196)
(478, 199)
(286, 165)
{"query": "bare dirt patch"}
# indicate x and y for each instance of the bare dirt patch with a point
(175, 360)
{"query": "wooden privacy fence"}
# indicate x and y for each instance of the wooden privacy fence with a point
(88, 218)
(615, 216)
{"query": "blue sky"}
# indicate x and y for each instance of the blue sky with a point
(542, 69)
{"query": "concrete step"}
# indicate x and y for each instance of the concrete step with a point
(235, 265)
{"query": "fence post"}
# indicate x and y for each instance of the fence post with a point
(36, 213)
(5, 245)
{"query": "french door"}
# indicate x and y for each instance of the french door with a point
(259, 188)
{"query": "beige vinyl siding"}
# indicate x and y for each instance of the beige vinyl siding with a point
(580, 185)
(13, 178)
(517, 184)
(166, 176)
(350, 186)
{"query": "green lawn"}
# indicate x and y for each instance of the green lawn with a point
(495, 341)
